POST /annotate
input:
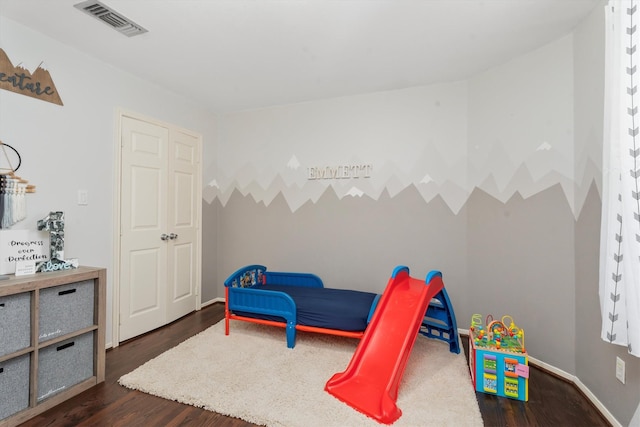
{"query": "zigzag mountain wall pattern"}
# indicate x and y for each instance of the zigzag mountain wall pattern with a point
(430, 175)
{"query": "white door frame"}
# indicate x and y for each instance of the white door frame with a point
(115, 275)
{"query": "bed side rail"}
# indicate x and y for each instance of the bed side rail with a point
(293, 279)
(262, 302)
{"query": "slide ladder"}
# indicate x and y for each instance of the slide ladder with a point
(440, 322)
(371, 381)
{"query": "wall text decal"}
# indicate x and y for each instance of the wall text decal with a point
(339, 172)
(38, 85)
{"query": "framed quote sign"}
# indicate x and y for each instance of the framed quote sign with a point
(21, 246)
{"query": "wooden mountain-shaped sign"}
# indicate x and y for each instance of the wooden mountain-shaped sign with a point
(19, 80)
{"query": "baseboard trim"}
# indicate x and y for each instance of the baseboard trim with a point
(213, 301)
(571, 379)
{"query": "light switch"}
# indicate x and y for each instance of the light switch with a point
(83, 197)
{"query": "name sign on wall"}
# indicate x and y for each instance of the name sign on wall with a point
(22, 246)
(340, 172)
(38, 85)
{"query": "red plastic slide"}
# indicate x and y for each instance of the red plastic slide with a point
(370, 382)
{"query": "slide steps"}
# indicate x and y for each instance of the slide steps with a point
(440, 323)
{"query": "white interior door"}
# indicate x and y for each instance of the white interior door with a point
(184, 211)
(160, 205)
(143, 220)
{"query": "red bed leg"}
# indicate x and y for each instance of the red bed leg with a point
(226, 311)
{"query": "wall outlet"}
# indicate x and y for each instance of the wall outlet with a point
(620, 369)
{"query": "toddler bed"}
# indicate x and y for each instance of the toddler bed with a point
(297, 302)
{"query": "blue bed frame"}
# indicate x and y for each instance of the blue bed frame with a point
(240, 297)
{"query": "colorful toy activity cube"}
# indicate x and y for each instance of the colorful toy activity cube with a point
(498, 361)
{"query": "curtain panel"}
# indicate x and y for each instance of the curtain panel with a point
(619, 287)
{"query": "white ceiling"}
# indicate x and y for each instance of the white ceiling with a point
(230, 55)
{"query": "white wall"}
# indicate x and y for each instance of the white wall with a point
(508, 130)
(405, 135)
(72, 147)
(521, 124)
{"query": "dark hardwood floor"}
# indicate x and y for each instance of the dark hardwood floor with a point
(552, 401)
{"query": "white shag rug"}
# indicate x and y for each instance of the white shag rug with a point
(252, 375)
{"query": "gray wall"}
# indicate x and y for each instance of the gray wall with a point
(211, 235)
(351, 243)
(495, 257)
(595, 359)
(521, 263)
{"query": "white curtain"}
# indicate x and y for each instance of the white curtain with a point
(620, 232)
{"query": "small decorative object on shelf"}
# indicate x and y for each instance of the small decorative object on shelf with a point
(54, 224)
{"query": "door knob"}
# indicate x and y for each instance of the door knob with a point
(173, 236)
(164, 237)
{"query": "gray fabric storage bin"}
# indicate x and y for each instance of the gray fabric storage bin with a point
(14, 385)
(65, 309)
(64, 364)
(15, 322)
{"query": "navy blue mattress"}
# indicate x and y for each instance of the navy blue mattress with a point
(342, 309)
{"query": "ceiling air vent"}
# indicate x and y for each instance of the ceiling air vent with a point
(110, 17)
